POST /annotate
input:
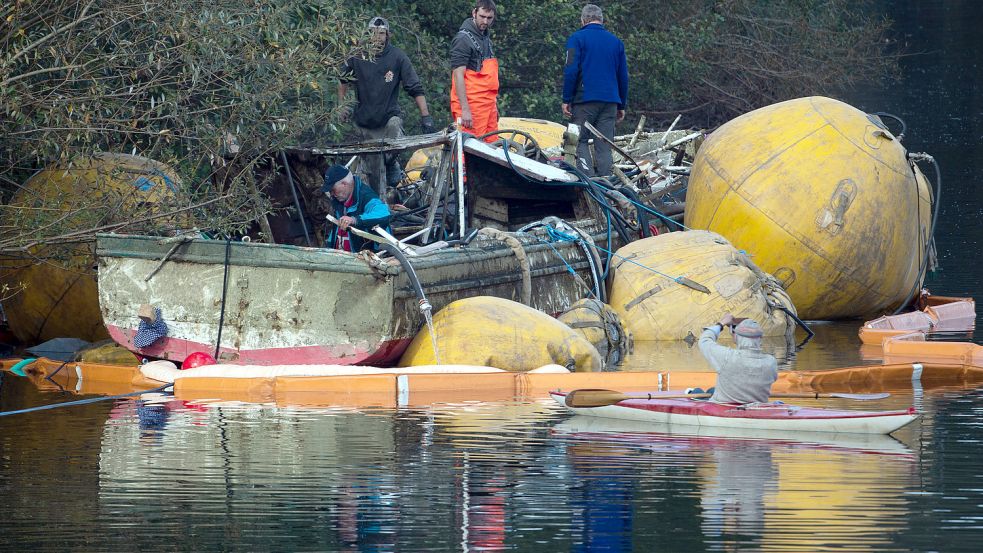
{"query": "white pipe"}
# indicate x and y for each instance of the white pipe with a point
(460, 184)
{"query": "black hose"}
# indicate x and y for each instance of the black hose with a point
(225, 287)
(293, 191)
(464, 241)
(414, 211)
(83, 401)
(643, 219)
(616, 218)
(904, 127)
(410, 273)
(931, 234)
(662, 216)
(798, 321)
(590, 253)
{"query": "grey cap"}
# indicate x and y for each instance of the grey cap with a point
(749, 329)
(378, 22)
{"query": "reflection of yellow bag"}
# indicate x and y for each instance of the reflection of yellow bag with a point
(108, 354)
(500, 333)
(655, 307)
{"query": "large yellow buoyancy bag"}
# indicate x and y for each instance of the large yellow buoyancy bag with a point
(655, 307)
(824, 198)
(59, 297)
(500, 333)
(547, 134)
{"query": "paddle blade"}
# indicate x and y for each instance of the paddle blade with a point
(594, 398)
(817, 395)
(861, 397)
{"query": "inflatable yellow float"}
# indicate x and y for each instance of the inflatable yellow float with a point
(656, 307)
(496, 332)
(824, 197)
(58, 297)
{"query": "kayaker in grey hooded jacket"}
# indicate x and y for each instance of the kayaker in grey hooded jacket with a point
(744, 374)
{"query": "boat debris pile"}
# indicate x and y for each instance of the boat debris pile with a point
(938, 314)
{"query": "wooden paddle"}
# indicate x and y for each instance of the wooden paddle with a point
(600, 398)
(360, 232)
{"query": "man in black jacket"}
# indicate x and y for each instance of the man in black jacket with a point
(377, 113)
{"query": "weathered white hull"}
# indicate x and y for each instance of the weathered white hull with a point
(288, 304)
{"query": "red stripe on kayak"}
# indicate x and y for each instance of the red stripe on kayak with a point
(765, 411)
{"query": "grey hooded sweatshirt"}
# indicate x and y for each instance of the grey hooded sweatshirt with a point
(744, 375)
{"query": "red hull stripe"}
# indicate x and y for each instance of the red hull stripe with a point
(177, 349)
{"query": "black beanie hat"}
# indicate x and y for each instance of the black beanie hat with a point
(334, 174)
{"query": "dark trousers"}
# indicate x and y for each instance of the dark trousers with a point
(602, 115)
(382, 170)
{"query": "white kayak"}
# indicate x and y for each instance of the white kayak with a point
(761, 416)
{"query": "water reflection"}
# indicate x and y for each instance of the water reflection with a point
(766, 489)
(484, 477)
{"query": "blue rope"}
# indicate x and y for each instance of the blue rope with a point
(570, 268)
(82, 401)
(562, 236)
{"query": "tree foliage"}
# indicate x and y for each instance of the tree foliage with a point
(710, 60)
(208, 87)
(214, 87)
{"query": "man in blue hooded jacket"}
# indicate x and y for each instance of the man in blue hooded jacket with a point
(595, 87)
(355, 205)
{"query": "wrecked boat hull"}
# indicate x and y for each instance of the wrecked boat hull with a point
(295, 305)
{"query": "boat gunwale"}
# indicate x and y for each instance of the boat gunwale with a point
(289, 256)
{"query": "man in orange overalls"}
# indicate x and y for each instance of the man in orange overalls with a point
(474, 78)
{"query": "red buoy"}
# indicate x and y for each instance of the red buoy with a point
(197, 359)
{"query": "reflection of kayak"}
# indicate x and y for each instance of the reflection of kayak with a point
(761, 416)
(648, 434)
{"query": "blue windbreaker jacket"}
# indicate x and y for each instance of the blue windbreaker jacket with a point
(596, 68)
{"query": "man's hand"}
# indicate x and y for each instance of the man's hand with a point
(566, 110)
(621, 115)
(345, 222)
(727, 320)
(467, 121)
(426, 124)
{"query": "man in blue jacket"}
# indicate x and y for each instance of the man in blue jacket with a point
(354, 204)
(595, 87)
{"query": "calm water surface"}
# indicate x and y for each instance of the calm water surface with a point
(158, 474)
(169, 475)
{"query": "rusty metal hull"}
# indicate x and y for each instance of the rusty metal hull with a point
(288, 304)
